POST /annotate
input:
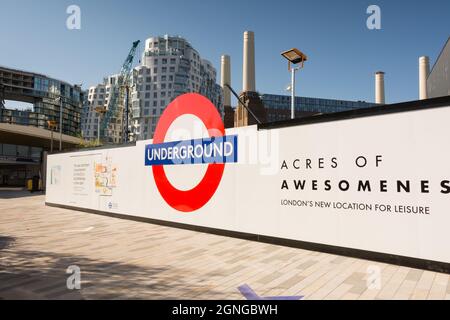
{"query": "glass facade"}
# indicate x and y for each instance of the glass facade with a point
(18, 163)
(279, 106)
(19, 153)
(46, 95)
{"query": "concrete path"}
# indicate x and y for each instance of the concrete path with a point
(121, 259)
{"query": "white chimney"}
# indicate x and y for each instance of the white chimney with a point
(379, 87)
(248, 72)
(424, 70)
(225, 78)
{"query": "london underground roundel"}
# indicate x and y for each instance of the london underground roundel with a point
(214, 150)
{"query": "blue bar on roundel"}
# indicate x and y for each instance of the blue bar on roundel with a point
(197, 151)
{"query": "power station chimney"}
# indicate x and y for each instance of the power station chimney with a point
(424, 71)
(248, 72)
(249, 99)
(379, 87)
(225, 78)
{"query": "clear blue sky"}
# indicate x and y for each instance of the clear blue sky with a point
(343, 53)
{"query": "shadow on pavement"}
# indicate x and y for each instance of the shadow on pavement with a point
(10, 193)
(5, 242)
(42, 275)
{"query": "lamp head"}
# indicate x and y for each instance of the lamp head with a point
(294, 56)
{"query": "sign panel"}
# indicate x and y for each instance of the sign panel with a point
(378, 183)
(196, 151)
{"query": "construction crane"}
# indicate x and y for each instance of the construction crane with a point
(114, 110)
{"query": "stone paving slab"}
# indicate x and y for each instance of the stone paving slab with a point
(122, 259)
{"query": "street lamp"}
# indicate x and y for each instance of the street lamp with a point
(51, 125)
(60, 120)
(294, 56)
(100, 111)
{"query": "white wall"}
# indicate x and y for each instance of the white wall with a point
(412, 145)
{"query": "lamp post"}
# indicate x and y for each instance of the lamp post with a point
(2, 95)
(51, 125)
(294, 56)
(100, 111)
(60, 121)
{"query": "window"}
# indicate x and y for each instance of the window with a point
(9, 149)
(164, 61)
(163, 103)
(155, 95)
(155, 70)
(148, 79)
(172, 61)
(163, 78)
(172, 69)
(164, 69)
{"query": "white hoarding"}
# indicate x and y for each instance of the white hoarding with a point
(378, 183)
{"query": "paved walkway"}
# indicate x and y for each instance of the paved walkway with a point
(122, 259)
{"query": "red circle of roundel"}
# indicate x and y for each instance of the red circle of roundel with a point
(197, 197)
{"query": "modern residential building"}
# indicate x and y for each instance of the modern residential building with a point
(24, 132)
(95, 97)
(44, 93)
(169, 67)
(279, 106)
(98, 96)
